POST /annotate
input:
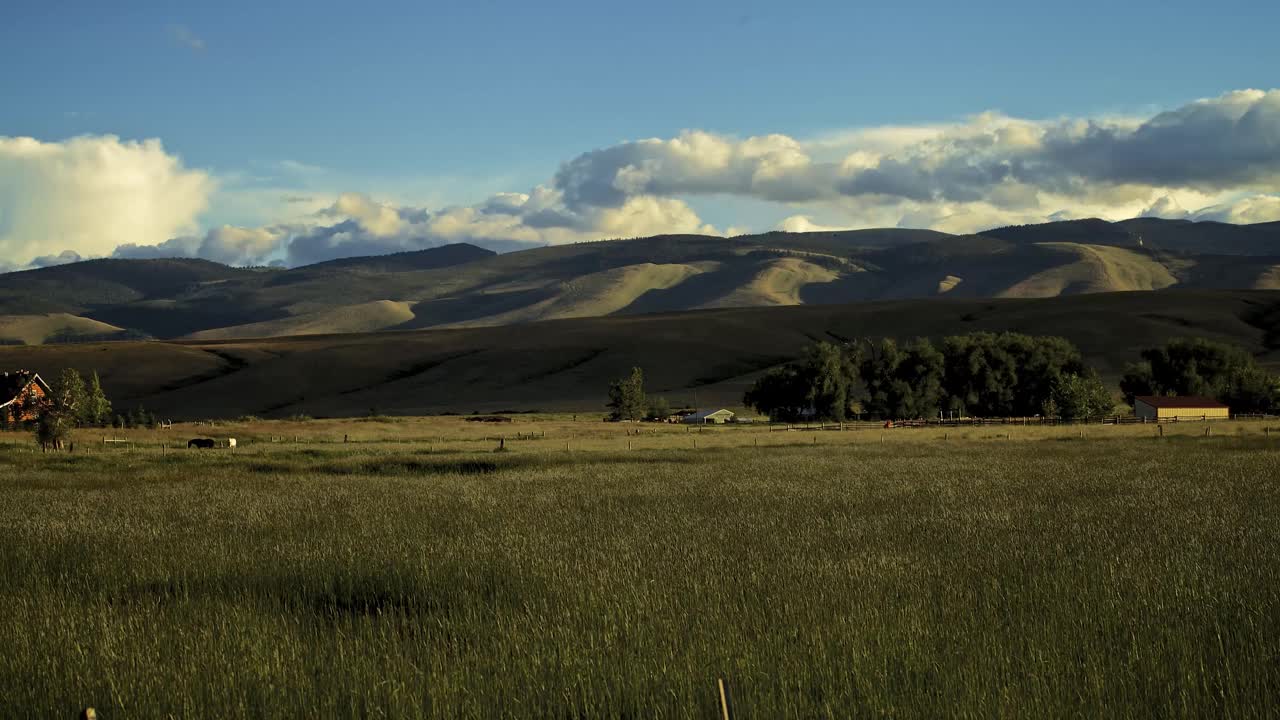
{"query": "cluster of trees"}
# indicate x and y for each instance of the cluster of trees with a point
(980, 374)
(628, 401)
(1201, 367)
(999, 375)
(71, 403)
(139, 417)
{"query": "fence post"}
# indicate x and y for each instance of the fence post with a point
(726, 707)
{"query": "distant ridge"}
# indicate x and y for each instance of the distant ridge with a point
(464, 285)
(437, 257)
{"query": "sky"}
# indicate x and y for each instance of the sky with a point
(292, 132)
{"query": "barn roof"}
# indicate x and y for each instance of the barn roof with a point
(1180, 401)
(13, 383)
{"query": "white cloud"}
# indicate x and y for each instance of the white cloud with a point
(1166, 207)
(92, 194)
(377, 219)
(1253, 209)
(182, 35)
(1217, 158)
(240, 246)
(804, 224)
(985, 169)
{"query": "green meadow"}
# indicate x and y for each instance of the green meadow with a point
(414, 572)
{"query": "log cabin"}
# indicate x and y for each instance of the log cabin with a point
(20, 393)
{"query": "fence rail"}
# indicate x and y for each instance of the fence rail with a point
(1025, 421)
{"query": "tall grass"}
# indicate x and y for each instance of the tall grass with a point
(1126, 577)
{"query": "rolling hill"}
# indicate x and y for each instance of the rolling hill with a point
(55, 327)
(707, 355)
(465, 286)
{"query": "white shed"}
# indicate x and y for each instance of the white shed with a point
(710, 417)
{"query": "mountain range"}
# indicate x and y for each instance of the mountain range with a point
(461, 285)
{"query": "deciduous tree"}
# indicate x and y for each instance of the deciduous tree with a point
(1197, 366)
(626, 397)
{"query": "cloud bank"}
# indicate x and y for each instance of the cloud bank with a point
(90, 195)
(1215, 159)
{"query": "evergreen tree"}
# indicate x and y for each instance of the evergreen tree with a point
(97, 410)
(626, 397)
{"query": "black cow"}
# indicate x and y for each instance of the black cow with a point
(200, 443)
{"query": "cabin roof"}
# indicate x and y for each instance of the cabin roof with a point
(1180, 401)
(14, 382)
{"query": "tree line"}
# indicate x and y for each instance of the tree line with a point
(996, 375)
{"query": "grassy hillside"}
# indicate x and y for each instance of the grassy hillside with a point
(567, 364)
(98, 283)
(362, 318)
(462, 285)
(1093, 269)
(55, 327)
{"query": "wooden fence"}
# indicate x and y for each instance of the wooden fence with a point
(984, 422)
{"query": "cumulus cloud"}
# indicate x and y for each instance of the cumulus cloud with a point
(179, 247)
(506, 221)
(377, 219)
(988, 168)
(225, 244)
(804, 224)
(1217, 158)
(63, 258)
(92, 194)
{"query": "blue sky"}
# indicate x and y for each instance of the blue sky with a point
(435, 104)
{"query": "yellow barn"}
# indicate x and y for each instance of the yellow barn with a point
(1184, 407)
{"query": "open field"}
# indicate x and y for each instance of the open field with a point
(415, 572)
